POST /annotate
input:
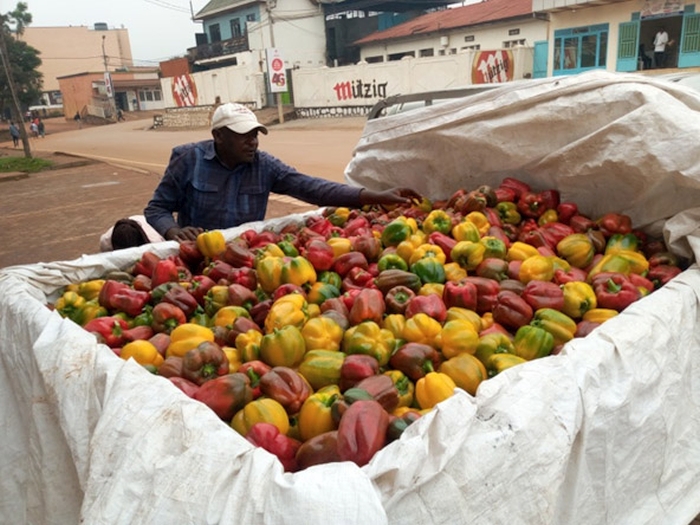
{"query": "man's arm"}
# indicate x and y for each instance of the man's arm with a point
(168, 196)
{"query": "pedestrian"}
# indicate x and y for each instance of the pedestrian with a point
(14, 133)
(120, 115)
(660, 42)
(79, 120)
(41, 128)
(34, 129)
(226, 181)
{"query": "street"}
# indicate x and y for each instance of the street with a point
(59, 214)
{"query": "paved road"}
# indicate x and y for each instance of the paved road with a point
(59, 215)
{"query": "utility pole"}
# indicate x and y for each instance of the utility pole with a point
(278, 97)
(5, 57)
(108, 80)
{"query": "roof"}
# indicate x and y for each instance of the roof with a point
(386, 6)
(215, 7)
(439, 21)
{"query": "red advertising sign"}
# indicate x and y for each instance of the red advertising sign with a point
(275, 71)
(492, 67)
(184, 90)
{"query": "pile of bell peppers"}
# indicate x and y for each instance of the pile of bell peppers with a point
(328, 339)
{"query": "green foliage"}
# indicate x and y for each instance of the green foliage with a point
(25, 165)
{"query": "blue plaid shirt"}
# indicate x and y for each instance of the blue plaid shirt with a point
(205, 193)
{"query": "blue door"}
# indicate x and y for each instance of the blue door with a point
(539, 63)
(628, 47)
(689, 55)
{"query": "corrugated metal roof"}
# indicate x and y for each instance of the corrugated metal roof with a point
(439, 21)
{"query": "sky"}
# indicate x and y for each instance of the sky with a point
(158, 29)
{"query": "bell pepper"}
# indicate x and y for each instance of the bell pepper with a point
(504, 194)
(434, 388)
(254, 370)
(561, 326)
(298, 270)
(345, 263)
(368, 306)
(396, 231)
(199, 286)
(486, 293)
(508, 212)
(381, 388)
(614, 291)
(532, 342)
(566, 210)
(500, 362)
(388, 279)
(268, 436)
(288, 248)
(495, 248)
(458, 336)
(110, 330)
(322, 367)
(211, 243)
(269, 273)
(550, 216)
(180, 297)
(355, 368)
(662, 274)
(431, 289)
(466, 231)
(511, 310)
(415, 360)
(358, 279)
(143, 352)
(362, 432)
(340, 246)
(493, 268)
(330, 277)
(286, 386)
(146, 264)
(367, 245)
(579, 297)
(322, 333)
(391, 261)
(89, 311)
(215, 299)
(320, 254)
(663, 257)
(554, 232)
(516, 185)
(620, 241)
(492, 344)
(291, 309)
(137, 333)
(69, 304)
(466, 371)
(612, 223)
(437, 221)
(318, 450)
(454, 272)
(369, 339)
(599, 315)
(238, 255)
(577, 249)
(427, 250)
(263, 410)
(315, 415)
(480, 221)
(543, 294)
(233, 355)
(468, 254)
(404, 387)
(537, 267)
(519, 251)
(430, 304)
(421, 328)
(395, 323)
(397, 299)
(205, 362)
(283, 347)
(429, 270)
(444, 242)
(226, 394)
(462, 294)
(531, 204)
(466, 315)
(120, 297)
(166, 270)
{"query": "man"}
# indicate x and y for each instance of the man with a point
(226, 181)
(660, 42)
(14, 133)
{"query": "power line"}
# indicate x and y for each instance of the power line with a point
(166, 5)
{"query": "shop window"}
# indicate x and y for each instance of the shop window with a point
(580, 48)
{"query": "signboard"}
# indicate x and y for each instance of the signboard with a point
(184, 90)
(275, 71)
(108, 84)
(660, 8)
(492, 67)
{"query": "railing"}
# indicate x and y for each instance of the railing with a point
(218, 49)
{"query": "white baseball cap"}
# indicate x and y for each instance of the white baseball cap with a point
(237, 118)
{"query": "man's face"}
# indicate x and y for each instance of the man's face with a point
(235, 148)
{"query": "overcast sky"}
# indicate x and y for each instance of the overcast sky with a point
(158, 29)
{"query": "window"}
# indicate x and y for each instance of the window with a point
(150, 95)
(427, 52)
(214, 33)
(374, 60)
(399, 56)
(471, 48)
(580, 48)
(235, 27)
(157, 95)
(514, 43)
(469, 38)
(250, 18)
(513, 32)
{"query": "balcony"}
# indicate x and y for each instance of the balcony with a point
(216, 51)
(551, 6)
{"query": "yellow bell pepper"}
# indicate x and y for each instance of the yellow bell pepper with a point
(421, 328)
(404, 385)
(577, 249)
(457, 337)
(290, 309)
(456, 312)
(432, 288)
(427, 250)
(579, 297)
(248, 345)
(187, 336)
(480, 221)
(561, 326)
(599, 315)
(519, 251)
(69, 305)
(180, 348)
(405, 250)
(298, 270)
(269, 273)
(339, 216)
(322, 333)
(322, 367)
(340, 246)
(283, 347)
(369, 339)
(315, 416)
(262, 410)
(225, 316)
(211, 243)
(466, 371)
(487, 320)
(142, 351)
(395, 323)
(622, 261)
(536, 268)
(270, 250)
(466, 231)
(500, 362)
(437, 221)
(89, 311)
(548, 216)
(468, 254)
(454, 272)
(434, 388)
(90, 289)
(234, 358)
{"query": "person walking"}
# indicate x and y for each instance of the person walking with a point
(41, 128)
(77, 118)
(660, 42)
(14, 133)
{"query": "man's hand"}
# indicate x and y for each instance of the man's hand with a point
(392, 196)
(188, 233)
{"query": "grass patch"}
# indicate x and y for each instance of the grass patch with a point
(9, 164)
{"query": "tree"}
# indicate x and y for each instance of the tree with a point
(20, 80)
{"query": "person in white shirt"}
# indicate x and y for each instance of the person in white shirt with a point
(660, 42)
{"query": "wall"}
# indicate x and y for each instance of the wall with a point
(77, 92)
(70, 50)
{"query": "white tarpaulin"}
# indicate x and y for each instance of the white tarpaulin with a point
(604, 433)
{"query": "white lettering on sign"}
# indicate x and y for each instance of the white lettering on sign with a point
(492, 67)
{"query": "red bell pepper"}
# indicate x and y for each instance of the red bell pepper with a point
(263, 238)
(355, 368)
(188, 387)
(218, 270)
(583, 328)
(268, 436)
(116, 296)
(203, 363)
(566, 210)
(368, 306)
(109, 330)
(362, 431)
(318, 450)
(504, 194)
(356, 226)
(238, 255)
(397, 299)
(255, 370)
(358, 279)
(226, 394)
(285, 386)
(512, 311)
(611, 223)
(146, 264)
(614, 291)
(443, 241)
(499, 233)
(245, 277)
(581, 224)
(167, 316)
(165, 271)
(565, 276)
(181, 298)
(142, 283)
(415, 360)
(190, 254)
(493, 268)
(347, 261)
(554, 232)
(138, 333)
(550, 199)
(382, 389)
(543, 294)
(239, 295)
(531, 204)
(642, 283)
(320, 254)
(368, 245)
(462, 294)
(200, 285)
(486, 293)
(533, 236)
(517, 186)
(259, 312)
(431, 304)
